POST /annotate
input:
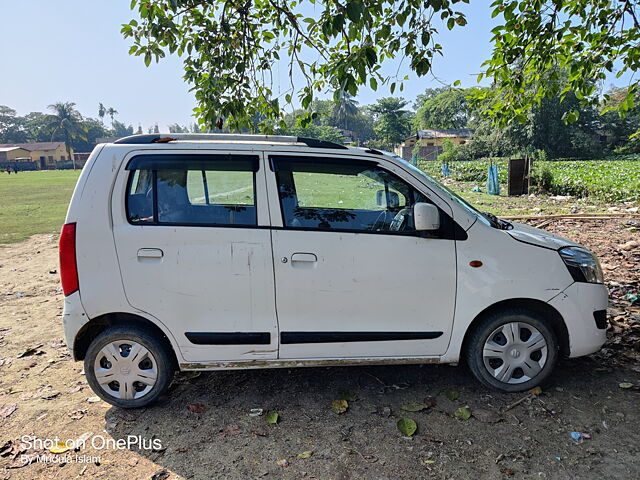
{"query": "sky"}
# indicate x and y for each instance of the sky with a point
(72, 50)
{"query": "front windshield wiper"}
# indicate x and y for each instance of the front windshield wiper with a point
(498, 222)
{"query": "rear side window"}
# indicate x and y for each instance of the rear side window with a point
(140, 197)
(192, 190)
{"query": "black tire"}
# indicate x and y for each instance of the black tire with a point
(163, 357)
(476, 342)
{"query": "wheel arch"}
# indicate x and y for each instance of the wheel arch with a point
(538, 307)
(99, 324)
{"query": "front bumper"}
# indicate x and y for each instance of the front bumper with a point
(73, 319)
(577, 305)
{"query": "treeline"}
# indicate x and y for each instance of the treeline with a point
(556, 128)
(64, 123)
(546, 132)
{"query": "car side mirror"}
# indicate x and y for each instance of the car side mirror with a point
(426, 217)
(393, 199)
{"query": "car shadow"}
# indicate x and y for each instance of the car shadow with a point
(206, 430)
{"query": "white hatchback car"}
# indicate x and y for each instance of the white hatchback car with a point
(206, 252)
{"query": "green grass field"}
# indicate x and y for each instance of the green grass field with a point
(34, 202)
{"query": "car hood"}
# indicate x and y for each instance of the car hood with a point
(536, 236)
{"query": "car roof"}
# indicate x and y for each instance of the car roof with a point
(288, 143)
(229, 138)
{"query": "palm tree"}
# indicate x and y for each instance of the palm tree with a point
(112, 112)
(67, 121)
(102, 111)
(344, 109)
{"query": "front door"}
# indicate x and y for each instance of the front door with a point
(353, 278)
(192, 253)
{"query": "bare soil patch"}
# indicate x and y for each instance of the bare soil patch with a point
(206, 429)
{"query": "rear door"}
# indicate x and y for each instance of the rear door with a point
(353, 277)
(195, 252)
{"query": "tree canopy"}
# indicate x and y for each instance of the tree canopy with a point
(448, 109)
(392, 122)
(230, 47)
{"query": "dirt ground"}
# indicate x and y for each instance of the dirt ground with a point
(205, 429)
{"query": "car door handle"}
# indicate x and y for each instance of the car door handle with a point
(304, 257)
(150, 253)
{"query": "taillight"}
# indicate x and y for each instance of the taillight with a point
(68, 267)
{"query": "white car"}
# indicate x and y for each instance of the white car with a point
(210, 252)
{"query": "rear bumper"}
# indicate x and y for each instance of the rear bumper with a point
(73, 319)
(577, 305)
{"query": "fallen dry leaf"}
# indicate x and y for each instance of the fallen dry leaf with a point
(232, 429)
(340, 406)
(77, 414)
(160, 475)
(31, 351)
(6, 410)
(430, 402)
(197, 408)
(486, 416)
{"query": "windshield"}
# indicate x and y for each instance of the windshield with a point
(443, 189)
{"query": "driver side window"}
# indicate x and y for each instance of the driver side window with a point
(334, 194)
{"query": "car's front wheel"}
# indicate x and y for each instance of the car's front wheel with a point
(128, 367)
(512, 350)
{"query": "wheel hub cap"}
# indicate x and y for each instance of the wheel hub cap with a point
(515, 352)
(125, 369)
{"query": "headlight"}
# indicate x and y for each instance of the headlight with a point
(582, 264)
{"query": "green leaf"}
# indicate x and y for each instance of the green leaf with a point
(354, 10)
(272, 418)
(571, 116)
(462, 413)
(147, 59)
(413, 407)
(452, 395)
(372, 58)
(407, 427)
(373, 83)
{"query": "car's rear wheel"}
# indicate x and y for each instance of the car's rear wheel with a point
(512, 350)
(128, 367)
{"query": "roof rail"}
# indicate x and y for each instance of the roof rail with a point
(160, 138)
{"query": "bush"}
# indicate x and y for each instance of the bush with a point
(541, 178)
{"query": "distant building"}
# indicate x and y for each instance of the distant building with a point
(430, 142)
(43, 155)
(13, 154)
